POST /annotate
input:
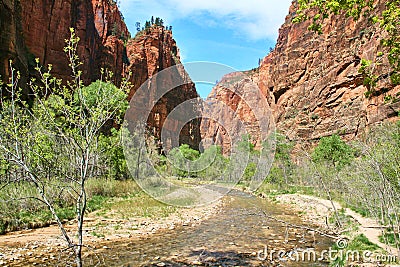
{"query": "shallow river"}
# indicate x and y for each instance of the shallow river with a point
(240, 235)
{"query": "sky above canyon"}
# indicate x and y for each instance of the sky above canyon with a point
(233, 33)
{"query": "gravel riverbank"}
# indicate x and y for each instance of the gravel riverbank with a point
(43, 245)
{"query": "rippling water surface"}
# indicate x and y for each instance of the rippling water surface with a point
(240, 235)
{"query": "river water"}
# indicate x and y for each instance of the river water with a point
(240, 235)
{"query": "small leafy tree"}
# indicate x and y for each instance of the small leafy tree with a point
(330, 156)
(250, 171)
(282, 167)
(112, 156)
(54, 144)
(333, 151)
(246, 149)
(182, 158)
(212, 163)
(245, 145)
(370, 80)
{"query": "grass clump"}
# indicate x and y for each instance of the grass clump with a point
(390, 238)
(352, 251)
(24, 211)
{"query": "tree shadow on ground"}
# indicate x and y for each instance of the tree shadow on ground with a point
(209, 258)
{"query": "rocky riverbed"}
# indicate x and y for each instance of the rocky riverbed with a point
(45, 246)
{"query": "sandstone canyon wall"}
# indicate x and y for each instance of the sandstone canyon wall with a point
(313, 84)
(38, 29)
(228, 93)
(149, 53)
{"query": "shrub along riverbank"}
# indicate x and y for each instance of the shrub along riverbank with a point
(362, 176)
(27, 213)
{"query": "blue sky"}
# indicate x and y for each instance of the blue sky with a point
(230, 32)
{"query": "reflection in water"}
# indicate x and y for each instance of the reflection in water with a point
(233, 238)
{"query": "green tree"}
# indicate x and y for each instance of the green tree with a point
(282, 167)
(330, 156)
(189, 153)
(245, 149)
(183, 158)
(112, 155)
(250, 171)
(212, 163)
(372, 181)
(245, 145)
(57, 138)
(101, 95)
(333, 151)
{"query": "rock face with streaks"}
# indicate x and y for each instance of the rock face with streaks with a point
(114, 34)
(223, 125)
(313, 84)
(150, 52)
(38, 29)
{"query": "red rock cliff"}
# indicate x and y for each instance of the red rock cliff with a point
(313, 81)
(114, 34)
(38, 28)
(313, 84)
(151, 51)
(229, 95)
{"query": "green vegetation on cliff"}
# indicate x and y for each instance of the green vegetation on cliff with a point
(387, 20)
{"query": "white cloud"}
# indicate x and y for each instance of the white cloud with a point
(259, 19)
